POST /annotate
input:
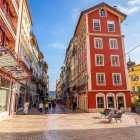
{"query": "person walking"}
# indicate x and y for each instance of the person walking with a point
(40, 107)
(26, 107)
(50, 104)
(46, 107)
(74, 106)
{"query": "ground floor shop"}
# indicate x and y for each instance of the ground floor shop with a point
(5, 94)
(98, 101)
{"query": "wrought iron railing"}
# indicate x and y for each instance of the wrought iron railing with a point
(5, 9)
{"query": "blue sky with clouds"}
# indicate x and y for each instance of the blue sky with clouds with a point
(54, 22)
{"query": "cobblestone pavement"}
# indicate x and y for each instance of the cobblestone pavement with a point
(61, 124)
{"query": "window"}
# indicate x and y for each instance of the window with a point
(111, 26)
(116, 79)
(115, 60)
(100, 79)
(138, 88)
(98, 43)
(99, 60)
(120, 101)
(133, 89)
(113, 44)
(4, 86)
(102, 13)
(96, 25)
(100, 102)
(110, 102)
(1, 36)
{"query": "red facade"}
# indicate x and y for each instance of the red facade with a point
(108, 90)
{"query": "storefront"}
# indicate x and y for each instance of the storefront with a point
(4, 96)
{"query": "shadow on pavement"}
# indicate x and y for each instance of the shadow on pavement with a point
(127, 133)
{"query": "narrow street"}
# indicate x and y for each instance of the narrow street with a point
(61, 124)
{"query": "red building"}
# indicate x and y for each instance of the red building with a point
(99, 30)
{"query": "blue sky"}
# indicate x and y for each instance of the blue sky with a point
(54, 22)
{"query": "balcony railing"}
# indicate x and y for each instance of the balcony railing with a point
(17, 3)
(5, 9)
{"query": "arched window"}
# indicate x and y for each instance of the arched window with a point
(111, 103)
(100, 100)
(121, 100)
(102, 12)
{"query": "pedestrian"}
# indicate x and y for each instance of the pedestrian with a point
(26, 107)
(46, 107)
(74, 106)
(53, 104)
(49, 104)
(40, 107)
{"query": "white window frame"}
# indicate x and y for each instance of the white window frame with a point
(120, 79)
(108, 25)
(101, 43)
(124, 99)
(110, 95)
(111, 39)
(112, 61)
(100, 95)
(99, 24)
(98, 84)
(105, 13)
(101, 55)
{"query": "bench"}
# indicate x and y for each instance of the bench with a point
(105, 112)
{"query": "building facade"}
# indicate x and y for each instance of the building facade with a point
(17, 57)
(134, 81)
(97, 76)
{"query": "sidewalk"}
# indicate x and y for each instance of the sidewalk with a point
(62, 124)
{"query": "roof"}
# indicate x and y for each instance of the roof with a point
(92, 8)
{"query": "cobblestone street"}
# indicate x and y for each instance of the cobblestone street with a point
(62, 124)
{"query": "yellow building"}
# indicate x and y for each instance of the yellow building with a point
(134, 80)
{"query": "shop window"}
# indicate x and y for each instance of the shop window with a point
(120, 101)
(4, 91)
(100, 102)
(110, 102)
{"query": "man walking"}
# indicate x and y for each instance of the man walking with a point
(46, 107)
(74, 106)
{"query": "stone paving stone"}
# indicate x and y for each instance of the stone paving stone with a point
(62, 124)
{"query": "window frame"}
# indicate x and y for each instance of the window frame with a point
(99, 24)
(111, 56)
(111, 39)
(113, 74)
(100, 95)
(95, 43)
(99, 84)
(108, 25)
(100, 12)
(101, 55)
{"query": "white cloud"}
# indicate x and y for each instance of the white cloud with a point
(75, 13)
(134, 2)
(58, 31)
(129, 11)
(58, 46)
(132, 7)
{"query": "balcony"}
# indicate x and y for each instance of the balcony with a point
(13, 5)
(11, 66)
(6, 18)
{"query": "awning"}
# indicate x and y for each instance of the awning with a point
(12, 66)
